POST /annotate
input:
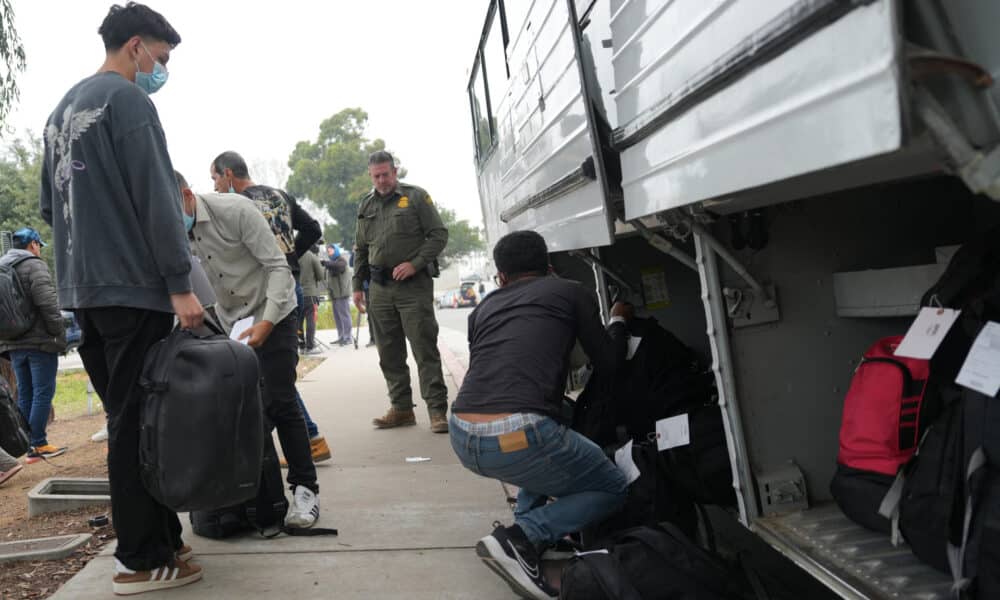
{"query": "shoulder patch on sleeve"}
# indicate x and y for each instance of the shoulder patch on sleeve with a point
(429, 201)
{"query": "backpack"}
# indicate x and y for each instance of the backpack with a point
(949, 511)
(14, 437)
(17, 311)
(264, 514)
(202, 428)
(664, 378)
(651, 499)
(648, 563)
(947, 500)
(879, 430)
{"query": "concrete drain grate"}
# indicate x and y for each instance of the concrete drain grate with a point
(50, 548)
(58, 494)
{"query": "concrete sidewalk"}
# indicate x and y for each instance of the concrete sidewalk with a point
(406, 530)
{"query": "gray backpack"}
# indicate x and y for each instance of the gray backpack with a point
(17, 311)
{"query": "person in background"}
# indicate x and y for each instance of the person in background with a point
(123, 264)
(504, 423)
(35, 354)
(338, 284)
(311, 278)
(294, 230)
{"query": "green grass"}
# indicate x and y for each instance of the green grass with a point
(71, 394)
(324, 317)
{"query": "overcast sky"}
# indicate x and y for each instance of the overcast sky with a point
(258, 76)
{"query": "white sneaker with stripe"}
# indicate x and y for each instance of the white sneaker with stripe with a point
(304, 511)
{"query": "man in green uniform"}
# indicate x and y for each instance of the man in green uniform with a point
(399, 235)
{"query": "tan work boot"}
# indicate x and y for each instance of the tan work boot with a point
(395, 418)
(320, 451)
(439, 422)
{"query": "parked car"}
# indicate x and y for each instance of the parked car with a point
(74, 335)
(447, 299)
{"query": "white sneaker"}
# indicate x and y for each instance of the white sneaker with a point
(101, 435)
(304, 511)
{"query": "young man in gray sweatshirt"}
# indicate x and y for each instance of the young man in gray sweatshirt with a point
(123, 264)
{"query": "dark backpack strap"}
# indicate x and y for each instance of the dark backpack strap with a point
(275, 531)
(296, 532)
(956, 553)
(609, 575)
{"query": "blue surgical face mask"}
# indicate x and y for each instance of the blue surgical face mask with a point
(151, 82)
(188, 222)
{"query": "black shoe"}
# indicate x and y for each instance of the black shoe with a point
(370, 343)
(509, 553)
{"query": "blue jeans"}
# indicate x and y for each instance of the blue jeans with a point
(557, 463)
(36, 385)
(310, 426)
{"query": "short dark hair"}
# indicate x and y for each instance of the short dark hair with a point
(123, 22)
(181, 182)
(521, 253)
(381, 157)
(232, 161)
(20, 243)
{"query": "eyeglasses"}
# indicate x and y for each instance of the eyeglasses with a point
(496, 279)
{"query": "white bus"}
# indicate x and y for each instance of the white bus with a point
(777, 182)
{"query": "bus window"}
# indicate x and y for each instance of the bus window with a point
(480, 113)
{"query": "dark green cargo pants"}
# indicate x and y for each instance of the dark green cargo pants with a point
(401, 311)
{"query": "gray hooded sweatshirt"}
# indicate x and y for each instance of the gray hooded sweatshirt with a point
(109, 192)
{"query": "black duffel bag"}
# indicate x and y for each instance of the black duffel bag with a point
(648, 563)
(202, 438)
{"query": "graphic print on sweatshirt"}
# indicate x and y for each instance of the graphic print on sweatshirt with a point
(60, 142)
(277, 213)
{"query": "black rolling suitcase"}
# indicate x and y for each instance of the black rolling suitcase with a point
(202, 439)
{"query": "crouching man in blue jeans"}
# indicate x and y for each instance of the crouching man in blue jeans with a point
(503, 423)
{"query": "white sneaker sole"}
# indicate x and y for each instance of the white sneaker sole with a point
(489, 551)
(299, 521)
(128, 589)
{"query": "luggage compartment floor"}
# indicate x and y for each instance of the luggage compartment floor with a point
(851, 560)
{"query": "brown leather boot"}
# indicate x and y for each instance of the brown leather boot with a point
(395, 418)
(439, 422)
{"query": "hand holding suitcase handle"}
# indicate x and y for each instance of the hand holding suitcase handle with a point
(207, 328)
(188, 309)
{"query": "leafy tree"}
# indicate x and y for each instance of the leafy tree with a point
(463, 238)
(333, 170)
(12, 60)
(20, 177)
